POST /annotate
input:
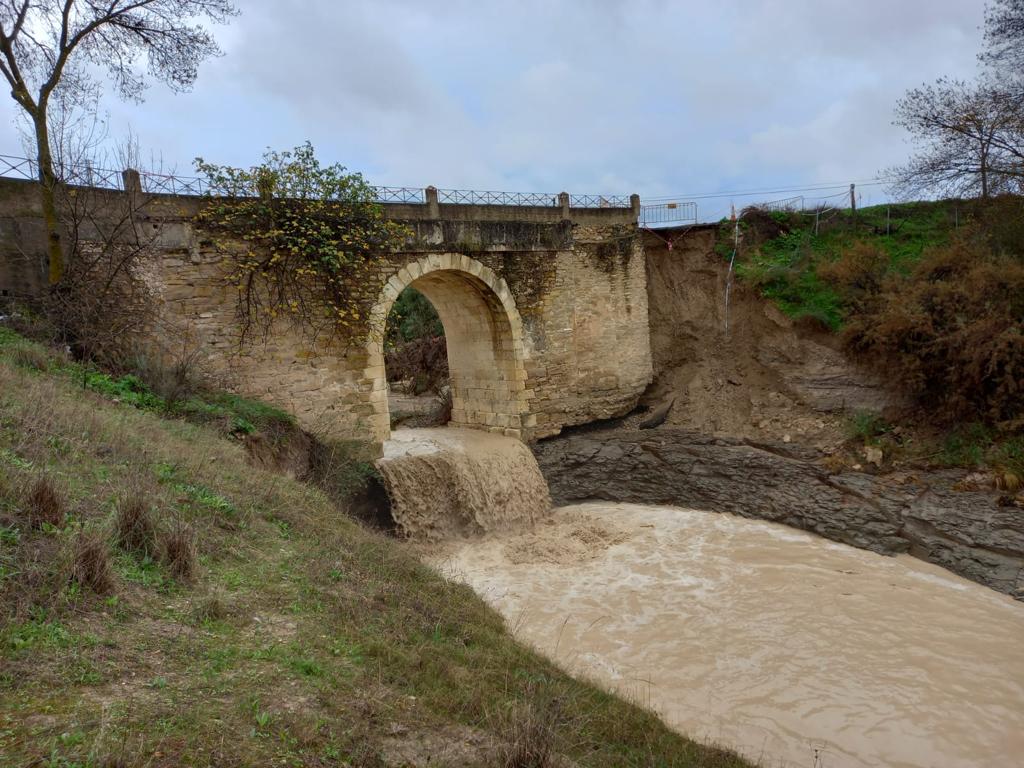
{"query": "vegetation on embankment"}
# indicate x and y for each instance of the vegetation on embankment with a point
(786, 254)
(166, 603)
(931, 295)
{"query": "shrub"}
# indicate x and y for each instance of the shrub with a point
(952, 333)
(135, 530)
(172, 378)
(867, 427)
(45, 504)
(857, 274)
(180, 551)
(90, 565)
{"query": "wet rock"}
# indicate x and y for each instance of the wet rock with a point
(967, 532)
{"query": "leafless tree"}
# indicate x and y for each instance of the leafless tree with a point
(48, 46)
(969, 138)
(1004, 36)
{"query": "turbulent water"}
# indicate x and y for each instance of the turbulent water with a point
(447, 481)
(789, 648)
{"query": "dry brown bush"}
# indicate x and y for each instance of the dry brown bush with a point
(952, 333)
(180, 551)
(760, 225)
(45, 504)
(857, 274)
(90, 564)
(134, 527)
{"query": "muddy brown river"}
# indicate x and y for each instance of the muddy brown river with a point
(789, 648)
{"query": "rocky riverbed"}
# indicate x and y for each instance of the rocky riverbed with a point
(936, 516)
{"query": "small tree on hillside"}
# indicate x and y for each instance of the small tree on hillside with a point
(47, 47)
(970, 139)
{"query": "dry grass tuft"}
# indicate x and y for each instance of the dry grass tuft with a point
(90, 564)
(180, 551)
(134, 526)
(210, 607)
(45, 504)
(30, 356)
(528, 737)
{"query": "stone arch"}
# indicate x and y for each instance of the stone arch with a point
(484, 334)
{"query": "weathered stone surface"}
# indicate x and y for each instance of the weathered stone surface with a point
(545, 311)
(968, 533)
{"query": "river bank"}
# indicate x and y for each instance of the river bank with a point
(936, 516)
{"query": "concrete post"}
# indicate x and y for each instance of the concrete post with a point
(132, 181)
(433, 207)
(563, 200)
(634, 203)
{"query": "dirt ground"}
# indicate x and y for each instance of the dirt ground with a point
(757, 379)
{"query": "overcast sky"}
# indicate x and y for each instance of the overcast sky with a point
(660, 97)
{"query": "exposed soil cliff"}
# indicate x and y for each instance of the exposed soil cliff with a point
(757, 409)
(756, 378)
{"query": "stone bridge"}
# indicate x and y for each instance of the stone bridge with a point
(544, 310)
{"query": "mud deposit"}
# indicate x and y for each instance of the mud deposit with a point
(443, 482)
(792, 649)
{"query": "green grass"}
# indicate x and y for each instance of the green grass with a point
(302, 639)
(234, 414)
(784, 268)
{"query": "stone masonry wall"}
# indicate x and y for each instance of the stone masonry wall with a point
(561, 302)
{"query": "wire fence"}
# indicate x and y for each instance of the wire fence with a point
(173, 184)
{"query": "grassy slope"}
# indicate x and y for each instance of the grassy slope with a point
(784, 267)
(304, 638)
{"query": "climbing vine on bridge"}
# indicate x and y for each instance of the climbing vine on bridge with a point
(302, 240)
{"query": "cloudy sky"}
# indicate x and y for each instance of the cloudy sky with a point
(660, 97)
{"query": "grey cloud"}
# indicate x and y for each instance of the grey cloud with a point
(654, 96)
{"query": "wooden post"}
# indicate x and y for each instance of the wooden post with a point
(853, 204)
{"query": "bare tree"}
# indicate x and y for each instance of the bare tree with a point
(1004, 36)
(47, 47)
(970, 139)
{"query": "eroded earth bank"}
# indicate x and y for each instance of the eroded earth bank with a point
(756, 419)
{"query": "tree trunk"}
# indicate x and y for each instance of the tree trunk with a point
(47, 188)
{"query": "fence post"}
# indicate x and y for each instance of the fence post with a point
(563, 200)
(433, 206)
(853, 201)
(634, 203)
(131, 181)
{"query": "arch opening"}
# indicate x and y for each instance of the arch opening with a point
(416, 363)
(483, 340)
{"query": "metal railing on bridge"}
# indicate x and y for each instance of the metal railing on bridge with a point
(175, 184)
